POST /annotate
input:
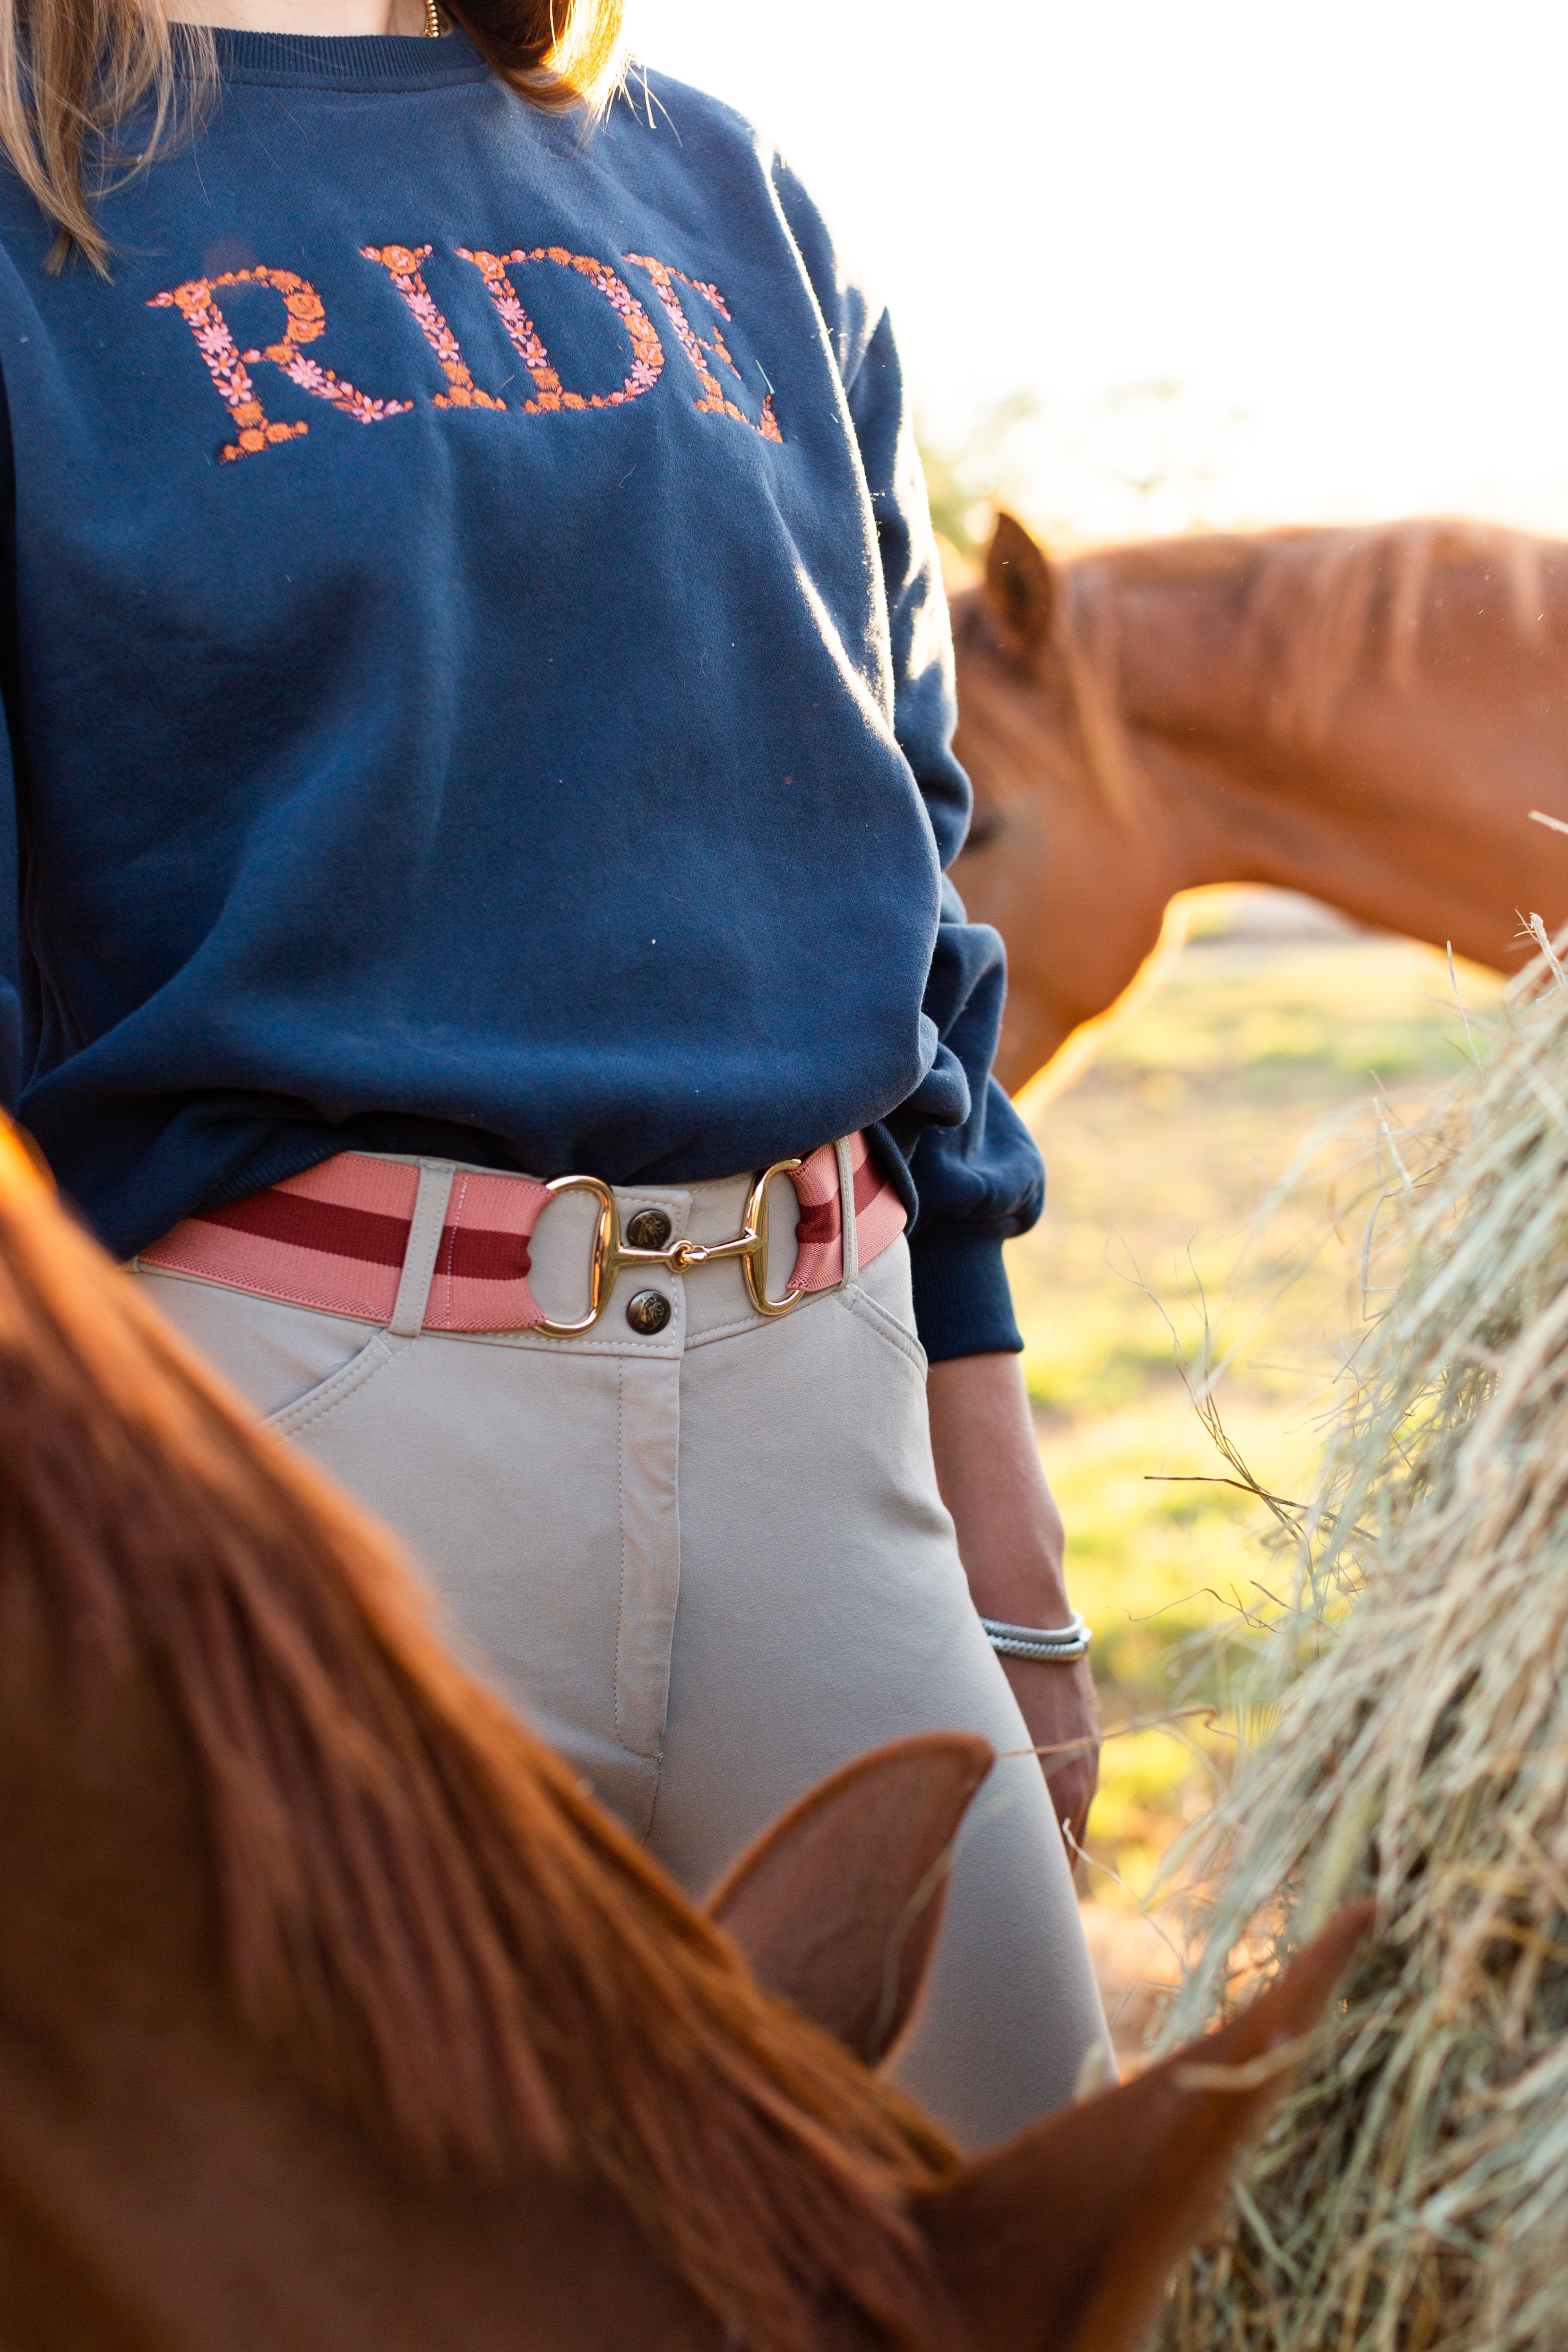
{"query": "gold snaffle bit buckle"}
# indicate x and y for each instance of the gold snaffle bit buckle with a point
(611, 1253)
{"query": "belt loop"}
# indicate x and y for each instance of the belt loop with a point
(423, 1248)
(851, 1239)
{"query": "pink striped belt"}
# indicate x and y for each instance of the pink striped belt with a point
(336, 1238)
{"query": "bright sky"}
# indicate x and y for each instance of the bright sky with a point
(1336, 237)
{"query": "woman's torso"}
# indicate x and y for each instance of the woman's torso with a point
(446, 684)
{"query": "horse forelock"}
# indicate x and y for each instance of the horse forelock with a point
(420, 1909)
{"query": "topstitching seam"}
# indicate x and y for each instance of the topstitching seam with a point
(349, 86)
(454, 1219)
(886, 1326)
(215, 1282)
(621, 1513)
(753, 1322)
(346, 1382)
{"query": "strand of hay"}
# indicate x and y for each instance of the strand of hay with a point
(1412, 2191)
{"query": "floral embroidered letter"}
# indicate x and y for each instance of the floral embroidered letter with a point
(305, 319)
(647, 352)
(401, 263)
(697, 350)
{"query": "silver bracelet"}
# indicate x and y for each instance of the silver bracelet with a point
(1057, 1645)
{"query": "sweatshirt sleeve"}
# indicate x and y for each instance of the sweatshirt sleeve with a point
(973, 1175)
(11, 1022)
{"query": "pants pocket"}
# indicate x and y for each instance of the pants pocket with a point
(378, 1351)
(882, 1300)
(289, 1362)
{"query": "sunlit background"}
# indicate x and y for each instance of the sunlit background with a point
(1252, 263)
(1157, 269)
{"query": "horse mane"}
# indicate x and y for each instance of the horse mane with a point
(1326, 606)
(1312, 610)
(421, 1912)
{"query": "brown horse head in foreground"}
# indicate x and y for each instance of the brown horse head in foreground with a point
(334, 2015)
(1369, 716)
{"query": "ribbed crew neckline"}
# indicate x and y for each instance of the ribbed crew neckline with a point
(358, 61)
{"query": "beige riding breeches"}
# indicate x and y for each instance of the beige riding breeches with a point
(710, 1563)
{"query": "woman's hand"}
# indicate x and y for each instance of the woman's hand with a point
(1010, 1541)
(1060, 1706)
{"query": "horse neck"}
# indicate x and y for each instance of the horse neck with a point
(1379, 772)
(163, 2180)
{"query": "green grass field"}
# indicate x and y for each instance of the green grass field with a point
(1206, 1207)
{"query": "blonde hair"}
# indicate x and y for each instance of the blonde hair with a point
(72, 70)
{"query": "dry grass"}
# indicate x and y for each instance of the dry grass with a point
(1413, 2189)
(1189, 1211)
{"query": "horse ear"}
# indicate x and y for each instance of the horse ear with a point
(837, 1907)
(1020, 586)
(1063, 2239)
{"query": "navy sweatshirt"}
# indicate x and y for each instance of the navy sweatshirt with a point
(476, 674)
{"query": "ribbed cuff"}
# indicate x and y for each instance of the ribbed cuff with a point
(962, 1303)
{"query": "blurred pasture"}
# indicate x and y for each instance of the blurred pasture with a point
(1203, 1238)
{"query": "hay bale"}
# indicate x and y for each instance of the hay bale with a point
(1414, 2190)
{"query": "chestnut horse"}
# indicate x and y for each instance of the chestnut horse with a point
(334, 2016)
(1370, 716)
